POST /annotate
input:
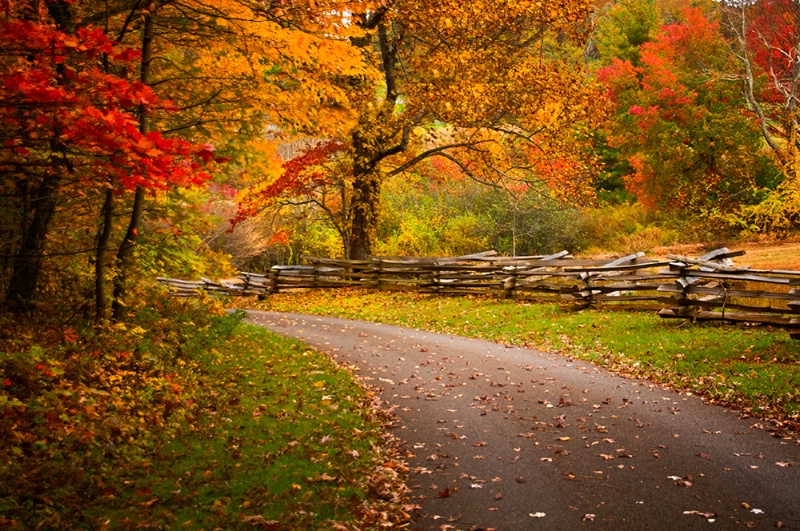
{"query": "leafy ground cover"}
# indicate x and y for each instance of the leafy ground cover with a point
(756, 369)
(186, 417)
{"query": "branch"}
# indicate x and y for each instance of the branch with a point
(388, 152)
(372, 20)
(469, 173)
(430, 153)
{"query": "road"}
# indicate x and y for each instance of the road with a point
(512, 438)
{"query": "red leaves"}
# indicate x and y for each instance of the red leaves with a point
(302, 175)
(54, 96)
(671, 118)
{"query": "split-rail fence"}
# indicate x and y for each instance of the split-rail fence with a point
(709, 287)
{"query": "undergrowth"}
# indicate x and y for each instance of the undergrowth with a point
(184, 416)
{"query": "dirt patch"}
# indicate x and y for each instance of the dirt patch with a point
(777, 254)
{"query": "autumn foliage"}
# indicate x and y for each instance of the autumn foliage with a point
(61, 112)
(683, 130)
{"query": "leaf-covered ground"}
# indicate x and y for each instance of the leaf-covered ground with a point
(187, 418)
(756, 369)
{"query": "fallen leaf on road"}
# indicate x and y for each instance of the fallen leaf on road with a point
(699, 513)
(537, 515)
(683, 482)
(589, 516)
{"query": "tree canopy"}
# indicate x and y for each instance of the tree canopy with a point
(497, 89)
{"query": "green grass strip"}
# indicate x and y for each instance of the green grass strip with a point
(283, 440)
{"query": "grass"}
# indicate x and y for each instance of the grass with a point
(189, 420)
(756, 369)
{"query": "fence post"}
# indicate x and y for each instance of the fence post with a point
(377, 268)
(510, 284)
(273, 280)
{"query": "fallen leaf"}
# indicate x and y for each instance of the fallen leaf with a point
(537, 515)
(683, 482)
(444, 493)
(589, 516)
(258, 519)
(699, 513)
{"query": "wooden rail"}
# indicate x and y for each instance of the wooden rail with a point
(709, 287)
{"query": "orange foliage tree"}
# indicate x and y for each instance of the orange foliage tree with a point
(496, 88)
(110, 107)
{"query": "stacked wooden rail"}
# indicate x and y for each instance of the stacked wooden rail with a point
(709, 287)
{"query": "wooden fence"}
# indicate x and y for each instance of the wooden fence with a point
(709, 287)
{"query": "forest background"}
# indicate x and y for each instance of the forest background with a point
(145, 138)
(184, 140)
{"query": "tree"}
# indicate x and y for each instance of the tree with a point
(234, 71)
(68, 127)
(624, 27)
(680, 126)
(764, 38)
(495, 88)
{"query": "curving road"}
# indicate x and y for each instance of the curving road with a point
(511, 438)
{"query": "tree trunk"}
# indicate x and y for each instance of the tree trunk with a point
(28, 260)
(103, 239)
(373, 141)
(124, 259)
(365, 205)
(37, 212)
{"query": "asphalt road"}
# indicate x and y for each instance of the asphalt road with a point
(512, 438)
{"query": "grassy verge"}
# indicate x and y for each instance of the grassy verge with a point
(187, 418)
(756, 369)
